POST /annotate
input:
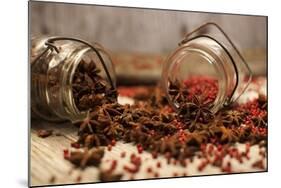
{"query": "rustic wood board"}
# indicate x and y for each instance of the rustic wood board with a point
(47, 155)
(47, 160)
(48, 166)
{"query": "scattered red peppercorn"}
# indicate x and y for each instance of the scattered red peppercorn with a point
(132, 170)
(227, 168)
(123, 154)
(158, 164)
(149, 169)
(113, 166)
(79, 178)
(66, 154)
(140, 148)
(154, 155)
(75, 145)
(109, 147)
(113, 142)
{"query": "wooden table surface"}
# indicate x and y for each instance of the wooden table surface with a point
(48, 166)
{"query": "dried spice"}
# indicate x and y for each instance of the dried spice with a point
(107, 177)
(153, 126)
(233, 117)
(195, 111)
(44, 133)
(87, 157)
(89, 88)
(203, 86)
(178, 92)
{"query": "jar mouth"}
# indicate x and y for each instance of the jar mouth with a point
(53, 72)
(211, 56)
(73, 61)
(78, 56)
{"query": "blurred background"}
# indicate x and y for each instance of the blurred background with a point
(140, 39)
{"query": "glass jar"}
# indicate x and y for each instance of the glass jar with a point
(54, 61)
(208, 64)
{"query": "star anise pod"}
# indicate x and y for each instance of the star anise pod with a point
(93, 140)
(177, 91)
(88, 123)
(104, 176)
(114, 130)
(214, 126)
(171, 145)
(196, 111)
(262, 100)
(111, 95)
(233, 117)
(87, 157)
(197, 137)
(260, 121)
(229, 135)
(112, 111)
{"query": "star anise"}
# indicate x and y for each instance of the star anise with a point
(214, 125)
(260, 121)
(196, 138)
(177, 91)
(232, 117)
(262, 100)
(196, 111)
(105, 176)
(168, 146)
(228, 135)
(111, 95)
(88, 123)
(93, 140)
(114, 130)
(87, 157)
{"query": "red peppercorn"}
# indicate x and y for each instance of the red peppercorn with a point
(66, 153)
(109, 147)
(140, 148)
(75, 145)
(113, 142)
(158, 164)
(123, 154)
(154, 155)
(227, 168)
(113, 166)
(132, 170)
(78, 179)
(149, 169)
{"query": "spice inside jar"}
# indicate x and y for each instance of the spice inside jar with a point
(205, 67)
(69, 78)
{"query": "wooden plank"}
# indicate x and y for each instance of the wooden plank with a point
(47, 156)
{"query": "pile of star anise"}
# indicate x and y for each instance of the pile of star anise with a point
(152, 125)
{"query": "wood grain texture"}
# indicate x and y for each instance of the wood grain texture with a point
(46, 154)
(47, 160)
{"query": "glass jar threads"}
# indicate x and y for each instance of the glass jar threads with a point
(206, 65)
(68, 77)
